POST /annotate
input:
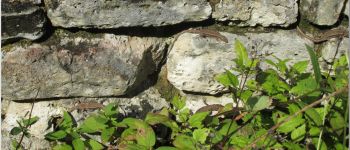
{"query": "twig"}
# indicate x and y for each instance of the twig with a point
(272, 129)
(28, 124)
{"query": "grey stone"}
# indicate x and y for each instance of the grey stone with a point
(194, 61)
(137, 106)
(322, 12)
(21, 19)
(329, 51)
(251, 13)
(78, 66)
(121, 13)
(346, 10)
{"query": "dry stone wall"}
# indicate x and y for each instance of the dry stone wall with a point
(58, 53)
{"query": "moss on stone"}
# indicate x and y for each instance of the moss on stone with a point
(165, 88)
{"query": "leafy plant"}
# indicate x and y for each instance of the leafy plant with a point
(284, 107)
(22, 127)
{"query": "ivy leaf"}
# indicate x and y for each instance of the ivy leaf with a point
(290, 125)
(184, 142)
(200, 135)
(15, 131)
(30, 121)
(315, 65)
(62, 147)
(337, 122)
(107, 134)
(178, 102)
(300, 66)
(299, 133)
(145, 134)
(92, 124)
(227, 79)
(60, 134)
(255, 104)
(197, 119)
(78, 144)
(95, 145)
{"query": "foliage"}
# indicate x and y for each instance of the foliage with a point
(269, 97)
(22, 127)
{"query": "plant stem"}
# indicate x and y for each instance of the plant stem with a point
(324, 119)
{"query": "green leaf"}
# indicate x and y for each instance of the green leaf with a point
(299, 133)
(14, 145)
(290, 125)
(178, 102)
(228, 124)
(306, 86)
(255, 104)
(242, 55)
(239, 140)
(110, 110)
(30, 121)
(314, 131)
(339, 146)
(107, 134)
(227, 79)
(337, 122)
(62, 147)
(183, 115)
(292, 146)
(153, 119)
(184, 142)
(323, 145)
(312, 115)
(200, 135)
(95, 145)
(67, 122)
(166, 148)
(60, 134)
(197, 119)
(145, 134)
(130, 146)
(78, 144)
(15, 131)
(92, 124)
(314, 62)
(300, 66)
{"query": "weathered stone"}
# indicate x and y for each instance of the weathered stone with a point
(194, 61)
(322, 12)
(329, 51)
(195, 102)
(93, 67)
(121, 13)
(138, 106)
(346, 10)
(21, 19)
(251, 13)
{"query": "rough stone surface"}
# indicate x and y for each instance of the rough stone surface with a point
(322, 12)
(138, 106)
(195, 102)
(251, 13)
(194, 61)
(121, 13)
(109, 65)
(346, 10)
(329, 50)
(21, 19)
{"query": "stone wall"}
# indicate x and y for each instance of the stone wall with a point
(57, 53)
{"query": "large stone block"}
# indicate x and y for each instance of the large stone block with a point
(21, 19)
(251, 13)
(322, 12)
(77, 66)
(121, 13)
(194, 61)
